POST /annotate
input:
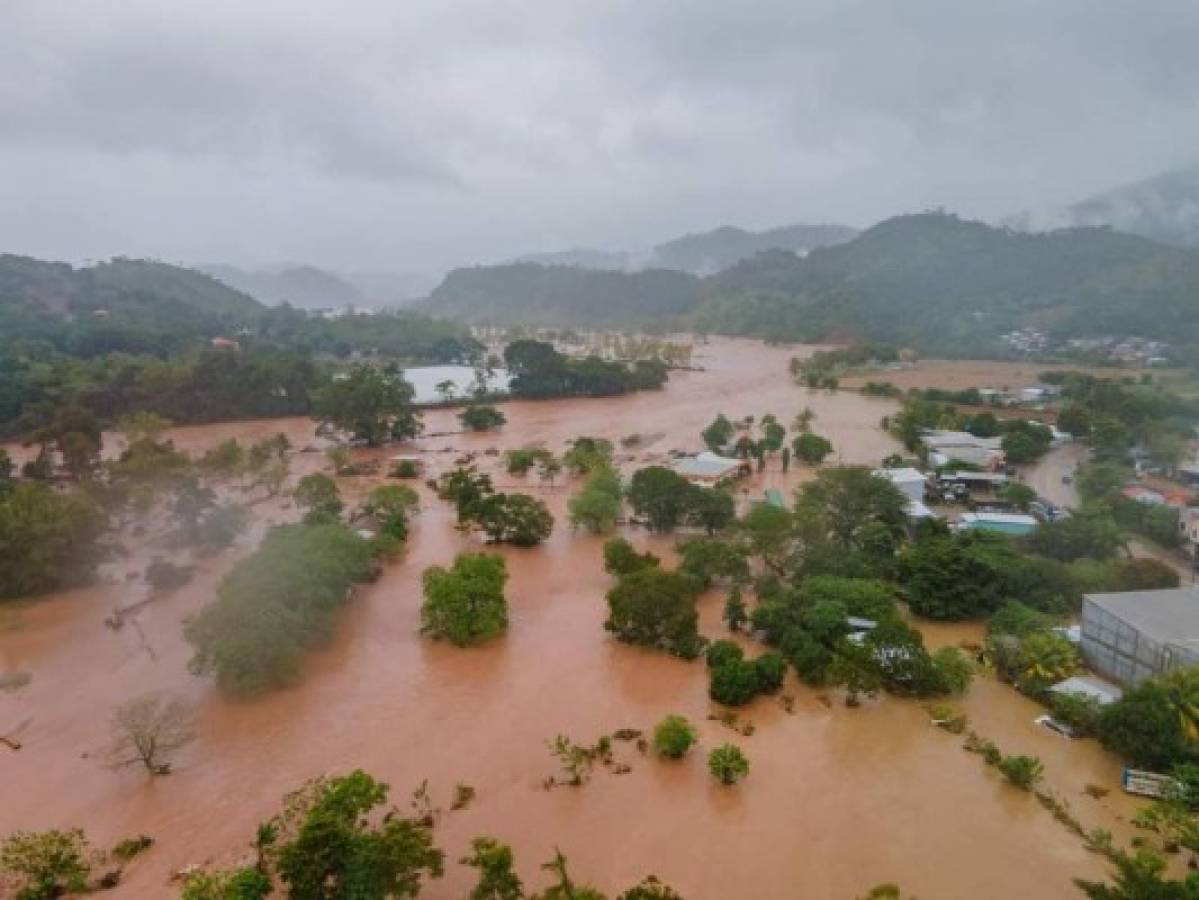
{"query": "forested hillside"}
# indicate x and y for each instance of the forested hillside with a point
(132, 336)
(711, 251)
(527, 293)
(1164, 208)
(931, 280)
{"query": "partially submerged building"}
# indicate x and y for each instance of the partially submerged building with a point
(709, 468)
(1134, 635)
(1089, 688)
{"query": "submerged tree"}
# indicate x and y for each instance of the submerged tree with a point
(150, 730)
(497, 880)
(465, 604)
(728, 764)
(673, 737)
(482, 417)
(326, 846)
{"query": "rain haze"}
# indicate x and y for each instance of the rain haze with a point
(416, 136)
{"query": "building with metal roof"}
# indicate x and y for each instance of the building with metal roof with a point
(1133, 635)
(1001, 523)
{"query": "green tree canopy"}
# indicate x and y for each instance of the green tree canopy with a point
(465, 604)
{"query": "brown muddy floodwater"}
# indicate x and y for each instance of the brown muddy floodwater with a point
(836, 801)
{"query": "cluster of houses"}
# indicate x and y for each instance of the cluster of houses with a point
(1130, 349)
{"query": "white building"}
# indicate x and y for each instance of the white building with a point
(709, 468)
(910, 482)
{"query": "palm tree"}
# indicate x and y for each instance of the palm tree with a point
(1045, 658)
(1183, 687)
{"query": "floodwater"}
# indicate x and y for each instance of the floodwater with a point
(837, 799)
(425, 379)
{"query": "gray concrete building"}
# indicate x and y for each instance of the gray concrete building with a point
(1134, 635)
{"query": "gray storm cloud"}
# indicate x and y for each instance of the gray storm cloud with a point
(418, 135)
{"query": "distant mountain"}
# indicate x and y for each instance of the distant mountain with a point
(125, 304)
(130, 288)
(940, 282)
(391, 288)
(699, 254)
(528, 293)
(1163, 208)
(931, 280)
(305, 287)
(711, 251)
(309, 287)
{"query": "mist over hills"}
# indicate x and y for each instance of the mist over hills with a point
(701, 253)
(310, 287)
(1163, 208)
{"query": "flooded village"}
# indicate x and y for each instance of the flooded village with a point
(878, 788)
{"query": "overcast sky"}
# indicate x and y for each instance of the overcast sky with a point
(409, 135)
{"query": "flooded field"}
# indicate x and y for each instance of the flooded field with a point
(836, 801)
(959, 374)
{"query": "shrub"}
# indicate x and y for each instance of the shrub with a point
(229, 884)
(406, 468)
(47, 864)
(674, 736)
(954, 671)
(728, 764)
(1022, 771)
(128, 848)
(481, 417)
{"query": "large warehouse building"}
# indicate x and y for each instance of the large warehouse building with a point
(1134, 635)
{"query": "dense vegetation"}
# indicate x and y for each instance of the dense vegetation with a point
(134, 336)
(537, 370)
(276, 604)
(48, 540)
(931, 280)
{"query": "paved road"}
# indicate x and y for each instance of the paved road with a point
(1045, 477)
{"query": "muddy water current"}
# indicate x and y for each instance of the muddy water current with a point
(836, 801)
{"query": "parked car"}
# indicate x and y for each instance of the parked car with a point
(1048, 721)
